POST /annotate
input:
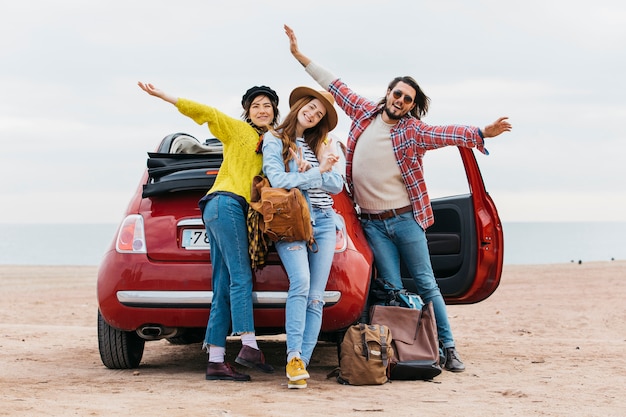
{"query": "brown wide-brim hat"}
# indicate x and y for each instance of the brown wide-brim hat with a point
(323, 96)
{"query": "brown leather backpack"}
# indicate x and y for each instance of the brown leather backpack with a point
(285, 212)
(365, 355)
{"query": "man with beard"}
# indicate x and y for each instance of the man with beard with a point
(394, 203)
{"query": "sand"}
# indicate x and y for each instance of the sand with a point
(551, 341)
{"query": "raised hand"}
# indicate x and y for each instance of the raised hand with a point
(150, 89)
(303, 164)
(153, 91)
(293, 47)
(499, 126)
(328, 158)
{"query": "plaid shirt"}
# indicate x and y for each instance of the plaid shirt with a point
(410, 137)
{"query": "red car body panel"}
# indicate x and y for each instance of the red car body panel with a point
(489, 234)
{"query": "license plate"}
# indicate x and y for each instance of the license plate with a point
(195, 239)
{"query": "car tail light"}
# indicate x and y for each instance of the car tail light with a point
(131, 237)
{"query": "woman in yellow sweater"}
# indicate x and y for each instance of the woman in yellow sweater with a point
(224, 210)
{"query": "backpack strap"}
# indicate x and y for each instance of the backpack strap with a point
(383, 345)
(365, 350)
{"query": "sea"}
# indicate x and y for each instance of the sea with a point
(525, 243)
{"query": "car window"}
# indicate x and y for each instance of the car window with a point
(444, 173)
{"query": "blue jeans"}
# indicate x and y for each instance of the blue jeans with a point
(225, 222)
(402, 238)
(308, 274)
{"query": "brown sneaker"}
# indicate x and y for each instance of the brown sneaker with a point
(224, 371)
(253, 358)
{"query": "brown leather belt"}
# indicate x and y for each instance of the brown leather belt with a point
(386, 214)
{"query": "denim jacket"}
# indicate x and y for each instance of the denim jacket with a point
(274, 169)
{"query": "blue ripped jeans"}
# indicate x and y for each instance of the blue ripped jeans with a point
(402, 238)
(225, 222)
(308, 274)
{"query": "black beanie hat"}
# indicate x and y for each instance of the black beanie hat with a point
(258, 90)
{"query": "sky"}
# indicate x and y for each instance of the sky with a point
(75, 127)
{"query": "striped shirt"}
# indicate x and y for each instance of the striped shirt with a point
(318, 197)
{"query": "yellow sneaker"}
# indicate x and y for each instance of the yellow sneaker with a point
(299, 384)
(296, 370)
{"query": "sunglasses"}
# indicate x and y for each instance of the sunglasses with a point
(407, 98)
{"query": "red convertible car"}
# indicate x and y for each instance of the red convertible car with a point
(154, 281)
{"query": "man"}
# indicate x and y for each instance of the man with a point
(394, 203)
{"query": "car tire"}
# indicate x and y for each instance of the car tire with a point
(118, 349)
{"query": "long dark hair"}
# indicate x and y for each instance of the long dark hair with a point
(313, 136)
(421, 100)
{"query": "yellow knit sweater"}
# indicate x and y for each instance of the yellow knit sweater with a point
(241, 162)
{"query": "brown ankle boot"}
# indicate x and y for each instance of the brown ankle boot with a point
(224, 371)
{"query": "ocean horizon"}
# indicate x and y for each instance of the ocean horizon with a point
(525, 243)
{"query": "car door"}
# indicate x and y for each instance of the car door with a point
(466, 239)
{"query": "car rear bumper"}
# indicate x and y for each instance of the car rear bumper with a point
(203, 299)
(134, 291)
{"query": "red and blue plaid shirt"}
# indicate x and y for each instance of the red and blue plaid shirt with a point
(410, 137)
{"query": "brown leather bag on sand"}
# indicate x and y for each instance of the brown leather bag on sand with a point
(415, 340)
(285, 213)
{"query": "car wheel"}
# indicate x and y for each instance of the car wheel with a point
(118, 349)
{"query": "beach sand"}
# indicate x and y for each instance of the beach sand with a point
(551, 341)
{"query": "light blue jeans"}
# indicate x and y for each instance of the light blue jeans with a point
(402, 238)
(225, 222)
(308, 274)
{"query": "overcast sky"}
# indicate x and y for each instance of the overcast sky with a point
(75, 128)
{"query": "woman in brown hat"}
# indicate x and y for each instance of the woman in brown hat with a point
(224, 211)
(300, 144)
